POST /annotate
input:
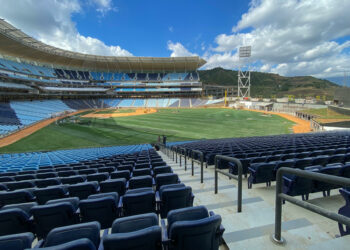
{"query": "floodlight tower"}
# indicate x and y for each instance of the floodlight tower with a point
(244, 75)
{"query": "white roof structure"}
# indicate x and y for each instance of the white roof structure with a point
(15, 43)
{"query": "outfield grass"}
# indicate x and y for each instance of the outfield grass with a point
(325, 113)
(177, 125)
(111, 111)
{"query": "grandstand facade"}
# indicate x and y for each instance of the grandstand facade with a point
(31, 69)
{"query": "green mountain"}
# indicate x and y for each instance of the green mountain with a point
(268, 85)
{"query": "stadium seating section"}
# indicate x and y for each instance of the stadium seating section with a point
(65, 206)
(261, 157)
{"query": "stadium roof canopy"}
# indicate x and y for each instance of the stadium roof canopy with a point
(15, 43)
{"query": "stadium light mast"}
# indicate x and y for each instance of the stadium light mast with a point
(244, 75)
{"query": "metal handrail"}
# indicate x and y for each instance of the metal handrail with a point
(183, 153)
(280, 196)
(238, 177)
(201, 156)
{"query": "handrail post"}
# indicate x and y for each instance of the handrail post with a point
(175, 154)
(276, 237)
(201, 162)
(238, 178)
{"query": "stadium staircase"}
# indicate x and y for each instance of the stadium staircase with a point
(252, 228)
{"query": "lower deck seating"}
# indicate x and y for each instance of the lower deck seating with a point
(61, 215)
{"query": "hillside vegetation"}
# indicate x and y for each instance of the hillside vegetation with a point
(268, 85)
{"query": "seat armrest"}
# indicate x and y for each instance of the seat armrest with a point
(165, 240)
(211, 213)
(39, 244)
(120, 203)
(252, 170)
(153, 181)
(157, 197)
(127, 185)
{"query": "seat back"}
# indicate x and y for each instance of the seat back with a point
(20, 185)
(74, 201)
(162, 170)
(73, 179)
(48, 217)
(47, 182)
(82, 190)
(175, 198)
(61, 235)
(45, 194)
(13, 197)
(80, 244)
(97, 177)
(138, 202)
(146, 239)
(140, 182)
(165, 179)
(24, 177)
(345, 211)
(196, 234)
(16, 241)
(141, 172)
(104, 210)
(46, 175)
(121, 174)
(134, 223)
(113, 185)
(14, 221)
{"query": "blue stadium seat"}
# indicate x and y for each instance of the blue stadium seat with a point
(50, 193)
(140, 182)
(113, 185)
(13, 197)
(135, 232)
(102, 208)
(19, 185)
(139, 201)
(46, 175)
(174, 196)
(61, 235)
(74, 201)
(17, 241)
(43, 183)
(141, 172)
(73, 179)
(14, 221)
(162, 170)
(23, 206)
(260, 173)
(193, 228)
(48, 217)
(97, 177)
(121, 174)
(295, 185)
(83, 190)
(81, 244)
(165, 179)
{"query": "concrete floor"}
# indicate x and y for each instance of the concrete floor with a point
(252, 228)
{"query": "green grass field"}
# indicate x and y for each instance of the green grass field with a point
(177, 125)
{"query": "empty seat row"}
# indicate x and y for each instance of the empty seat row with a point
(186, 228)
(103, 207)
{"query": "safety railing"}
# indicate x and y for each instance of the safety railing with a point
(183, 153)
(280, 197)
(200, 161)
(238, 177)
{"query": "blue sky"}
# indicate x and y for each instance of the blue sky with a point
(288, 37)
(145, 27)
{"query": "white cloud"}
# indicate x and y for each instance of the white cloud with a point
(178, 50)
(104, 6)
(289, 37)
(171, 29)
(50, 21)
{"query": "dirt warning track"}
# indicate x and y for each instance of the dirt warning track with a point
(139, 111)
(301, 126)
(16, 136)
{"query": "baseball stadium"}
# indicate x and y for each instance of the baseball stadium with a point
(111, 152)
